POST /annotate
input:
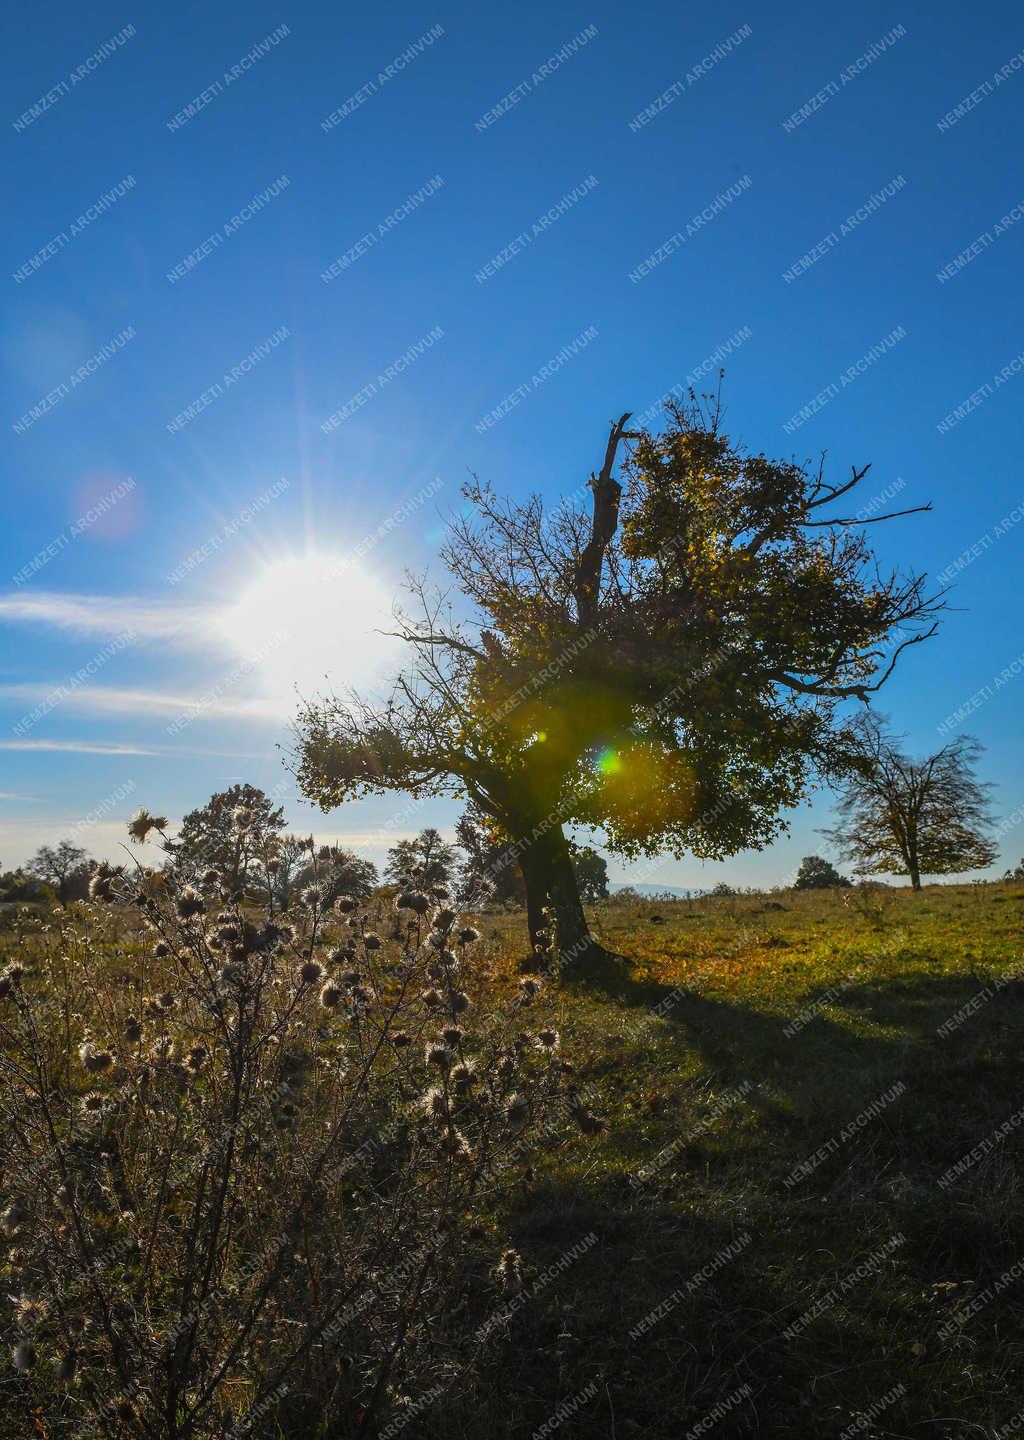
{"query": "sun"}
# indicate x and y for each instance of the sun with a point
(310, 621)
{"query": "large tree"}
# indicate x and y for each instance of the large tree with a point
(65, 867)
(899, 816)
(668, 665)
(236, 832)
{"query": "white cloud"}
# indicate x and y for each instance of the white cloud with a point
(82, 747)
(109, 616)
(113, 700)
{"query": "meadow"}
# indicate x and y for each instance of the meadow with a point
(800, 1215)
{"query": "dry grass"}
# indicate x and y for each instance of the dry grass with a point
(737, 1040)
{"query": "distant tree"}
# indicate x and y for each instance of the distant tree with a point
(1017, 873)
(911, 817)
(63, 866)
(428, 856)
(818, 874)
(342, 872)
(287, 860)
(17, 886)
(669, 661)
(231, 833)
(723, 888)
(491, 870)
(591, 873)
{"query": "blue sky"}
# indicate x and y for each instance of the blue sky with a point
(230, 224)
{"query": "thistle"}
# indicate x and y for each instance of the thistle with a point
(142, 822)
(189, 902)
(97, 1062)
(331, 995)
(509, 1271)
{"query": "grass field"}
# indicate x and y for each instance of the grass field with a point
(742, 1039)
(767, 1239)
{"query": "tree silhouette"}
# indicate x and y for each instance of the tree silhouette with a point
(906, 817)
(668, 667)
(428, 856)
(212, 837)
(818, 874)
(63, 866)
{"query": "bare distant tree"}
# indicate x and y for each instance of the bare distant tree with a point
(64, 867)
(912, 817)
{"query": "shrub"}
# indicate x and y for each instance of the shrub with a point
(243, 1169)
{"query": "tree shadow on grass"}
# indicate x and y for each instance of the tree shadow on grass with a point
(812, 1320)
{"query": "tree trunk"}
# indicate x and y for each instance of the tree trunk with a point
(550, 881)
(915, 877)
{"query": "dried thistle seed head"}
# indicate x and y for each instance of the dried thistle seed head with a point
(517, 1111)
(440, 892)
(468, 935)
(509, 1271)
(460, 1002)
(161, 950)
(372, 940)
(462, 1076)
(507, 1067)
(97, 1062)
(142, 822)
(196, 1058)
(432, 999)
(66, 1369)
(362, 995)
(400, 1039)
(547, 1040)
(189, 902)
(211, 877)
(100, 888)
(9, 978)
(310, 972)
(311, 897)
(345, 904)
(28, 1312)
(23, 1356)
(166, 1000)
(331, 995)
(529, 985)
(12, 1218)
(438, 1055)
(453, 1034)
(455, 1144)
(417, 902)
(435, 1103)
(445, 918)
(93, 1103)
(228, 933)
(132, 1029)
(242, 818)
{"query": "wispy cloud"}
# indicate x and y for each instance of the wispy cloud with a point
(112, 700)
(81, 747)
(189, 626)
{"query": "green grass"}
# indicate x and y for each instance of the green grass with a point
(740, 1102)
(716, 1099)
